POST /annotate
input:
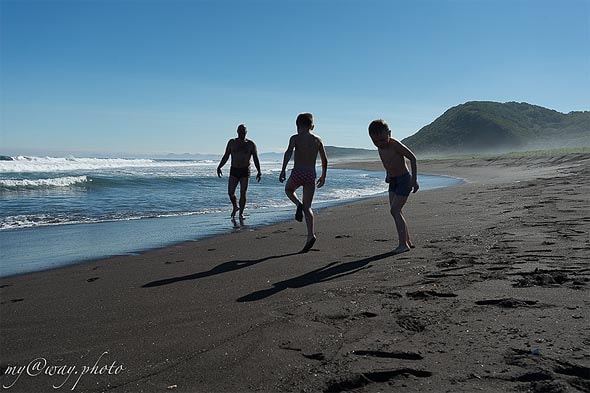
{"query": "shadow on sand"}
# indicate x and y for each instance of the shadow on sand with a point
(329, 272)
(219, 269)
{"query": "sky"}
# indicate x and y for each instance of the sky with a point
(179, 76)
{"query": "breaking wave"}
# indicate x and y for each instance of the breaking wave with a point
(23, 164)
(68, 181)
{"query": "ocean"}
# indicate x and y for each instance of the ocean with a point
(56, 211)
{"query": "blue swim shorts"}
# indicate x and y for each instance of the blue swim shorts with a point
(401, 185)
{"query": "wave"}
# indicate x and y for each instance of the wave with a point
(23, 164)
(42, 220)
(67, 181)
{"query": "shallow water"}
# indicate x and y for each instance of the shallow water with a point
(59, 211)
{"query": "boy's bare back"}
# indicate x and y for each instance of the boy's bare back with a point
(307, 147)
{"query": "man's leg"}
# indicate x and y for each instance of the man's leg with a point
(232, 184)
(396, 202)
(243, 189)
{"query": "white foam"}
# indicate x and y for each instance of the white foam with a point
(24, 164)
(56, 182)
(341, 194)
(40, 220)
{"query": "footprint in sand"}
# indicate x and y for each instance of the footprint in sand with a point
(356, 381)
(92, 279)
(170, 262)
(315, 356)
(427, 294)
(390, 355)
(411, 323)
(12, 301)
(507, 303)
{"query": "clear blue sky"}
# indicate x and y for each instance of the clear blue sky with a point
(179, 76)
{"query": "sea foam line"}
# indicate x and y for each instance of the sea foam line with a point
(56, 164)
(37, 183)
(42, 220)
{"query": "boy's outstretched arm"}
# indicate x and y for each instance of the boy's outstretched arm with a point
(324, 158)
(414, 172)
(286, 158)
(224, 158)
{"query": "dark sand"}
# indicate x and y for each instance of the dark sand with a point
(493, 298)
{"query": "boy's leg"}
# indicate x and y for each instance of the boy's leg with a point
(308, 192)
(243, 189)
(396, 202)
(290, 192)
(232, 184)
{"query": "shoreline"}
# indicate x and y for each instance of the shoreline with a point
(50, 247)
(500, 266)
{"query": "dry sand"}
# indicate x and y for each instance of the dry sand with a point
(493, 298)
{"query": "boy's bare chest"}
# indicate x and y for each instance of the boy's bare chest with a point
(391, 159)
(389, 155)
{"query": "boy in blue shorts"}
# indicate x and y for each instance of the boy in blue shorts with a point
(393, 155)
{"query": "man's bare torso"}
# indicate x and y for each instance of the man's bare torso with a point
(241, 151)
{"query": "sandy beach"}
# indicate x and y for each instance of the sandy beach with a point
(494, 298)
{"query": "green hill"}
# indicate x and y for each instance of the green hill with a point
(484, 126)
(347, 153)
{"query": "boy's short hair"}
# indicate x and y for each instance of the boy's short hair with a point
(241, 127)
(378, 127)
(304, 120)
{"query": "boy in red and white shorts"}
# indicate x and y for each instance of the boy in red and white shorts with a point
(307, 146)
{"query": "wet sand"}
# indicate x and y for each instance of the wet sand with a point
(493, 298)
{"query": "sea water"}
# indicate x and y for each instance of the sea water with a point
(56, 211)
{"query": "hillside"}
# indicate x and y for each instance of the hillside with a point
(484, 126)
(347, 153)
(334, 154)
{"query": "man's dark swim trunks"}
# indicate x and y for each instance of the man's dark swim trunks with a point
(401, 185)
(239, 172)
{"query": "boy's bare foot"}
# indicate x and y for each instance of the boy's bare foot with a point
(299, 212)
(308, 245)
(401, 249)
(242, 218)
(411, 245)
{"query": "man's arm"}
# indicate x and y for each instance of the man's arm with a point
(286, 158)
(256, 161)
(224, 158)
(324, 158)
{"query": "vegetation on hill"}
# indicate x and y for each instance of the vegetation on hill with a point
(484, 126)
(337, 153)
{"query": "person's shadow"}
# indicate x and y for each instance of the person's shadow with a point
(329, 272)
(219, 269)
